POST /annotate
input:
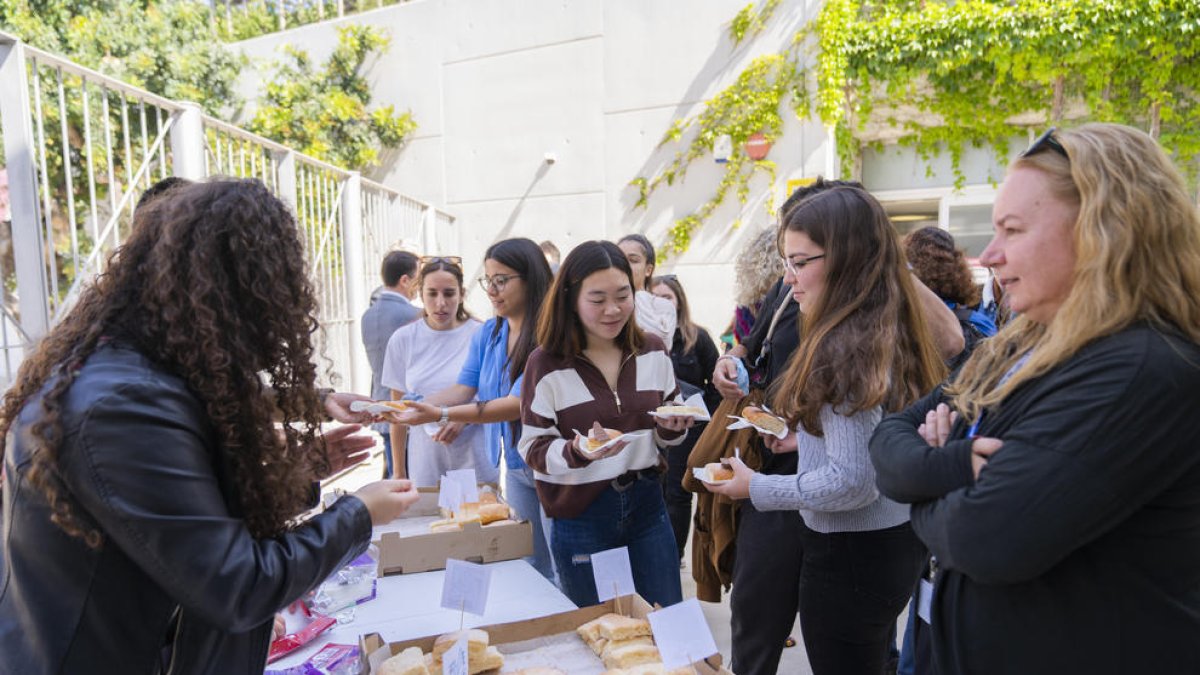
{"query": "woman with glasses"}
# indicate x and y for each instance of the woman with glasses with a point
(864, 350)
(1056, 480)
(488, 389)
(594, 366)
(654, 315)
(693, 355)
(423, 358)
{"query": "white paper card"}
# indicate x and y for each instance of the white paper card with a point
(613, 574)
(454, 660)
(465, 586)
(682, 634)
(925, 601)
(449, 495)
(468, 487)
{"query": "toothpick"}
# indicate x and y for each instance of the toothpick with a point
(617, 599)
(462, 613)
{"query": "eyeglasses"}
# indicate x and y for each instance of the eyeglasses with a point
(794, 266)
(497, 282)
(1046, 141)
(448, 259)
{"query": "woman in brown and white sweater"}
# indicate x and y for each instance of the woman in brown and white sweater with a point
(594, 366)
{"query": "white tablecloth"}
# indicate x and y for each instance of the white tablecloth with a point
(408, 606)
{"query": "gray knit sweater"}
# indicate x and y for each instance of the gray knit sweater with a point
(834, 486)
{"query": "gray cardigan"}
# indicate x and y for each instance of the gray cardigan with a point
(834, 485)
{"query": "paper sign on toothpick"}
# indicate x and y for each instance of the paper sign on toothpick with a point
(614, 576)
(449, 494)
(468, 487)
(466, 586)
(682, 634)
(454, 660)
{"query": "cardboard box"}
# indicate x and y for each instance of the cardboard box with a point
(518, 631)
(409, 554)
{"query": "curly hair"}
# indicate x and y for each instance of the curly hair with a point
(865, 343)
(211, 286)
(757, 268)
(941, 266)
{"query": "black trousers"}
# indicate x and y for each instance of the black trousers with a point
(766, 587)
(848, 588)
(679, 501)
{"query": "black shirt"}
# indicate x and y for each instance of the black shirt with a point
(776, 354)
(1078, 549)
(696, 366)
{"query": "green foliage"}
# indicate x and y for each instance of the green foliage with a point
(751, 21)
(164, 47)
(323, 111)
(954, 74)
(751, 104)
(979, 73)
(259, 17)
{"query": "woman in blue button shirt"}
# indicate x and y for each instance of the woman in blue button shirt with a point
(516, 280)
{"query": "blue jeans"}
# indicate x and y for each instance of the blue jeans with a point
(522, 496)
(637, 518)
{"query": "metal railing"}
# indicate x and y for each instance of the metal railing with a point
(243, 19)
(81, 147)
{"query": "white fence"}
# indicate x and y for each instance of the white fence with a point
(80, 148)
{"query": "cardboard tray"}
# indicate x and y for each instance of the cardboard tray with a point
(410, 554)
(518, 631)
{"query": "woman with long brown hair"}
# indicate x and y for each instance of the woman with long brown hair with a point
(1056, 479)
(594, 366)
(151, 504)
(864, 350)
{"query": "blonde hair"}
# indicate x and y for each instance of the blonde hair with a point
(1137, 247)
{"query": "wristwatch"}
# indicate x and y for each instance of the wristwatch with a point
(445, 418)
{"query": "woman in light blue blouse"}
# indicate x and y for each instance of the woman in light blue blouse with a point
(516, 280)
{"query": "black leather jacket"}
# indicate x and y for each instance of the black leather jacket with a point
(179, 585)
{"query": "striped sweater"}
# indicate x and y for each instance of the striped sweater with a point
(561, 394)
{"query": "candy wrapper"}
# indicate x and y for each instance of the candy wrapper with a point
(331, 660)
(352, 585)
(695, 401)
(293, 641)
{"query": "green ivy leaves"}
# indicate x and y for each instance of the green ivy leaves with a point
(323, 111)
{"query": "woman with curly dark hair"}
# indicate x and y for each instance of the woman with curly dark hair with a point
(151, 504)
(941, 266)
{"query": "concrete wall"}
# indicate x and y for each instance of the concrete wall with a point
(497, 84)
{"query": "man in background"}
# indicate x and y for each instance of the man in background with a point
(390, 309)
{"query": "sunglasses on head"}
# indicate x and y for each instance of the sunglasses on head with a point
(447, 259)
(1046, 141)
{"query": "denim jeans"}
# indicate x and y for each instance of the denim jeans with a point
(679, 500)
(522, 496)
(636, 518)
